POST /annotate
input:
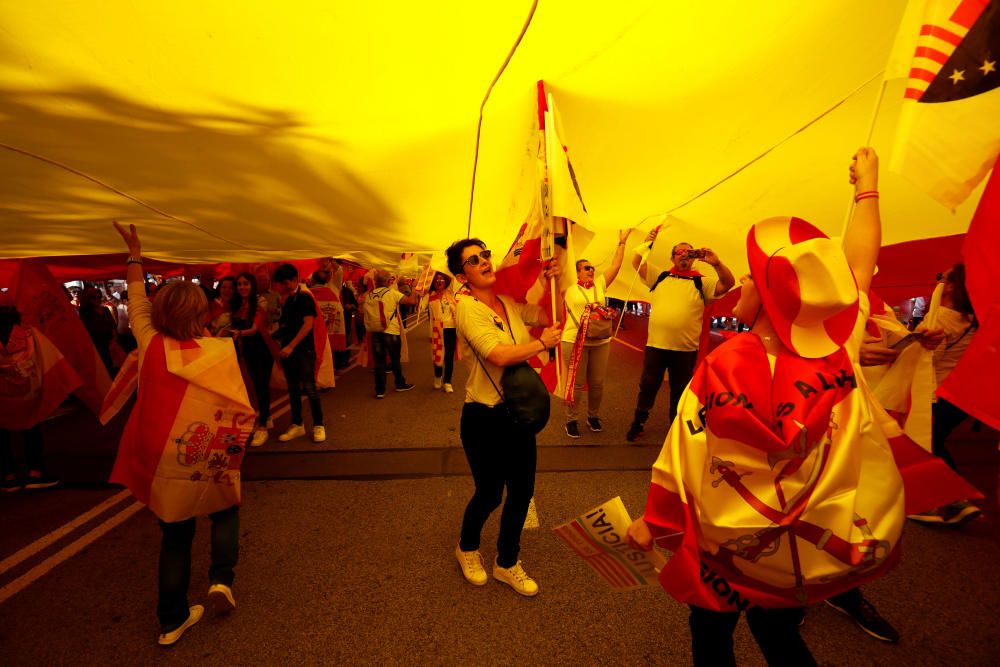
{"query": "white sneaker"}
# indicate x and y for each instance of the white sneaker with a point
(437, 383)
(294, 431)
(259, 437)
(471, 563)
(448, 389)
(516, 578)
(194, 615)
(319, 434)
(221, 598)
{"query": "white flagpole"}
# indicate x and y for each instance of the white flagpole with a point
(868, 141)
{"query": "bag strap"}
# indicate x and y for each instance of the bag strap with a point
(695, 279)
(479, 359)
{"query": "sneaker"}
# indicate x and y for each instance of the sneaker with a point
(194, 615)
(380, 394)
(11, 485)
(516, 578)
(572, 429)
(406, 386)
(294, 431)
(319, 434)
(259, 437)
(448, 389)
(634, 431)
(220, 597)
(471, 563)
(959, 513)
(437, 383)
(40, 480)
(594, 423)
(868, 619)
(930, 516)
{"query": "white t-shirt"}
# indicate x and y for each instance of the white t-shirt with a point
(481, 329)
(676, 310)
(577, 298)
(390, 301)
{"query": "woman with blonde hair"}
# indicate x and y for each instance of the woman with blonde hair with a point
(182, 447)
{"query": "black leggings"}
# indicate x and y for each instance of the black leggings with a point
(33, 451)
(499, 456)
(450, 341)
(776, 632)
(260, 365)
(946, 418)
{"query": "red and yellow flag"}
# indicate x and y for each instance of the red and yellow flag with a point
(34, 379)
(182, 447)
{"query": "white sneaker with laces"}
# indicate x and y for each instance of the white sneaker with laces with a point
(471, 563)
(194, 615)
(516, 578)
(448, 389)
(221, 598)
(259, 437)
(437, 383)
(319, 434)
(294, 431)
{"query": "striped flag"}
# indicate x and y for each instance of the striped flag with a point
(948, 136)
(122, 388)
(598, 537)
(183, 445)
(34, 378)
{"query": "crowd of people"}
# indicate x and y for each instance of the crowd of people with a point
(805, 301)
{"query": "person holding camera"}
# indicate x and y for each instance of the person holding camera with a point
(677, 299)
(587, 336)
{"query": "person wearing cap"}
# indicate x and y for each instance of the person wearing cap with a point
(677, 299)
(775, 488)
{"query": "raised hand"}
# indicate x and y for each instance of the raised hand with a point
(131, 238)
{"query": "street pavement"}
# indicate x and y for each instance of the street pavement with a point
(347, 553)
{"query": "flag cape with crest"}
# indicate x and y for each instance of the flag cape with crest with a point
(325, 375)
(948, 136)
(182, 447)
(43, 305)
(328, 302)
(34, 379)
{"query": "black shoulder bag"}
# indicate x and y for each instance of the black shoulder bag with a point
(524, 395)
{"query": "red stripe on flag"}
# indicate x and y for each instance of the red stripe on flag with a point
(931, 54)
(922, 74)
(624, 574)
(913, 94)
(609, 570)
(542, 105)
(940, 33)
(968, 12)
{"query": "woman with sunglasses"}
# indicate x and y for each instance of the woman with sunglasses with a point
(493, 333)
(586, 353)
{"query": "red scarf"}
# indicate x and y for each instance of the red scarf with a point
(585, 284)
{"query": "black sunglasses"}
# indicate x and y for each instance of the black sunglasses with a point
(587, 268)
(473, 260)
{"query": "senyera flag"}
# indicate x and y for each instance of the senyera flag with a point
(182, 447)
(34, 379)
(44, 305)
(948, 136)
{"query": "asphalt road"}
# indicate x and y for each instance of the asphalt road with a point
(346, 554)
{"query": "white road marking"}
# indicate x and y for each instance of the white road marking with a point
(59, 533)
(67, 552)
(531, 521)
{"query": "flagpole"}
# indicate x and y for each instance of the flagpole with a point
(631, 287)
(868, 141)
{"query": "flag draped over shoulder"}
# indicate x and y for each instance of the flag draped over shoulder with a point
(948, 135)
(325, 375)
(34, 379)
(182, 447)
(969, 385)
(44, 306)
(332, 313)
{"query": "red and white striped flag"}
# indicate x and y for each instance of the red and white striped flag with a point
(34, 379)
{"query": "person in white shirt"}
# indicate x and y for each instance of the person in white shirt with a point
(493, 335)
(677, 299)
(587, 359)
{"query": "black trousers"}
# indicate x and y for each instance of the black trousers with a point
(450, 341)
(387, 344)
(175, 562)
(655, 362)
(300, 371)
(776, 632)
(260, 365)
(946, 418)
(33, 451)
(499, 456)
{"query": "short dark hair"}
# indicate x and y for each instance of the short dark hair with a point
(673, 251)
(579, 262)
(285, 272)
(960, 295)
(455, 250)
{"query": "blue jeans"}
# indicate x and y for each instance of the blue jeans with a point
(175, 562)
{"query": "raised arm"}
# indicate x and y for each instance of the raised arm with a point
(616, 261)
(863, 236)
(637, 262)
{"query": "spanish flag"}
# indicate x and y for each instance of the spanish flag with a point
(34, 378)
(182, 447)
